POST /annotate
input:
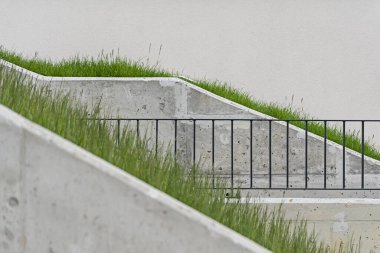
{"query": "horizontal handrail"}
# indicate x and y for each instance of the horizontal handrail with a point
(242, 119)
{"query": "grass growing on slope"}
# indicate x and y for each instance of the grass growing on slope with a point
(353, 141)
(110, 65)
(106, 65)
(63, 116)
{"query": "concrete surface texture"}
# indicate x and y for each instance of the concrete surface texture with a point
(174, 98)
(57, 197)
(325, 53)
(336, 221)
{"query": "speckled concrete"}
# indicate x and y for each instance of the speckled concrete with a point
(57, 197)
(177, 99)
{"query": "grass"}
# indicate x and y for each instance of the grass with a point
(111, 65)
(62, 115)
(106, 65)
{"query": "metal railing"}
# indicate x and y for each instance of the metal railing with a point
(286, 125)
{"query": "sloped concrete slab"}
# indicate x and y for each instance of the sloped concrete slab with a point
(57, 197)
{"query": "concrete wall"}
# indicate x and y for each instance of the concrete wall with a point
(335, 220)
(336, 216)
(57, 197)
(175, 98)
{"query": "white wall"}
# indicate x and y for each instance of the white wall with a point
(325, 52)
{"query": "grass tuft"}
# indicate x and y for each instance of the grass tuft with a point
(105, 65)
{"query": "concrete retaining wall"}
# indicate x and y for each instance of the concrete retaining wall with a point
(335, 221)
(175, 98)
(57, 197)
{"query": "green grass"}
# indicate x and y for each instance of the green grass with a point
(106, 65)
(65, 117)
(111, 65)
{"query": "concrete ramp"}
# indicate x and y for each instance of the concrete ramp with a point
(57, 197)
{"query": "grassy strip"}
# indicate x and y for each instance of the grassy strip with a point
(106, 65)
(63, 116)
(110, 65)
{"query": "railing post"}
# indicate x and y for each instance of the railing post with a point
(344, 153)
(138, 128)
(194, 136)
(118, 131)
(175, 140)
(232, 154)
(306, 153)
(325, 154)
(250, 155)
(270, 154)
(363, 146)
(156, 137)
(213, 152)
(287, 154)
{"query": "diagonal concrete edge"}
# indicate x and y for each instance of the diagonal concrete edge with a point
(49, 174)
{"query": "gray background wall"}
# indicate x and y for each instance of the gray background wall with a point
(321, 51)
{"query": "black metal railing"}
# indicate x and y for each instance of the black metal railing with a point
(286, 125)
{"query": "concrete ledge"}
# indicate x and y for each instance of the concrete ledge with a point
(313, 194)
(57, 197)
(336, 221)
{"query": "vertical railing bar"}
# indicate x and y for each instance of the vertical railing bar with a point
(287, 154)
(306, 134)
(344, 153)
(138, 128)
(156, 136)
(232, 154)
(363, 146)
(213, 152)
(118, 131)
(325, 154)
(175, 140)
(250, 155)
(270, 154)
(194, 136)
